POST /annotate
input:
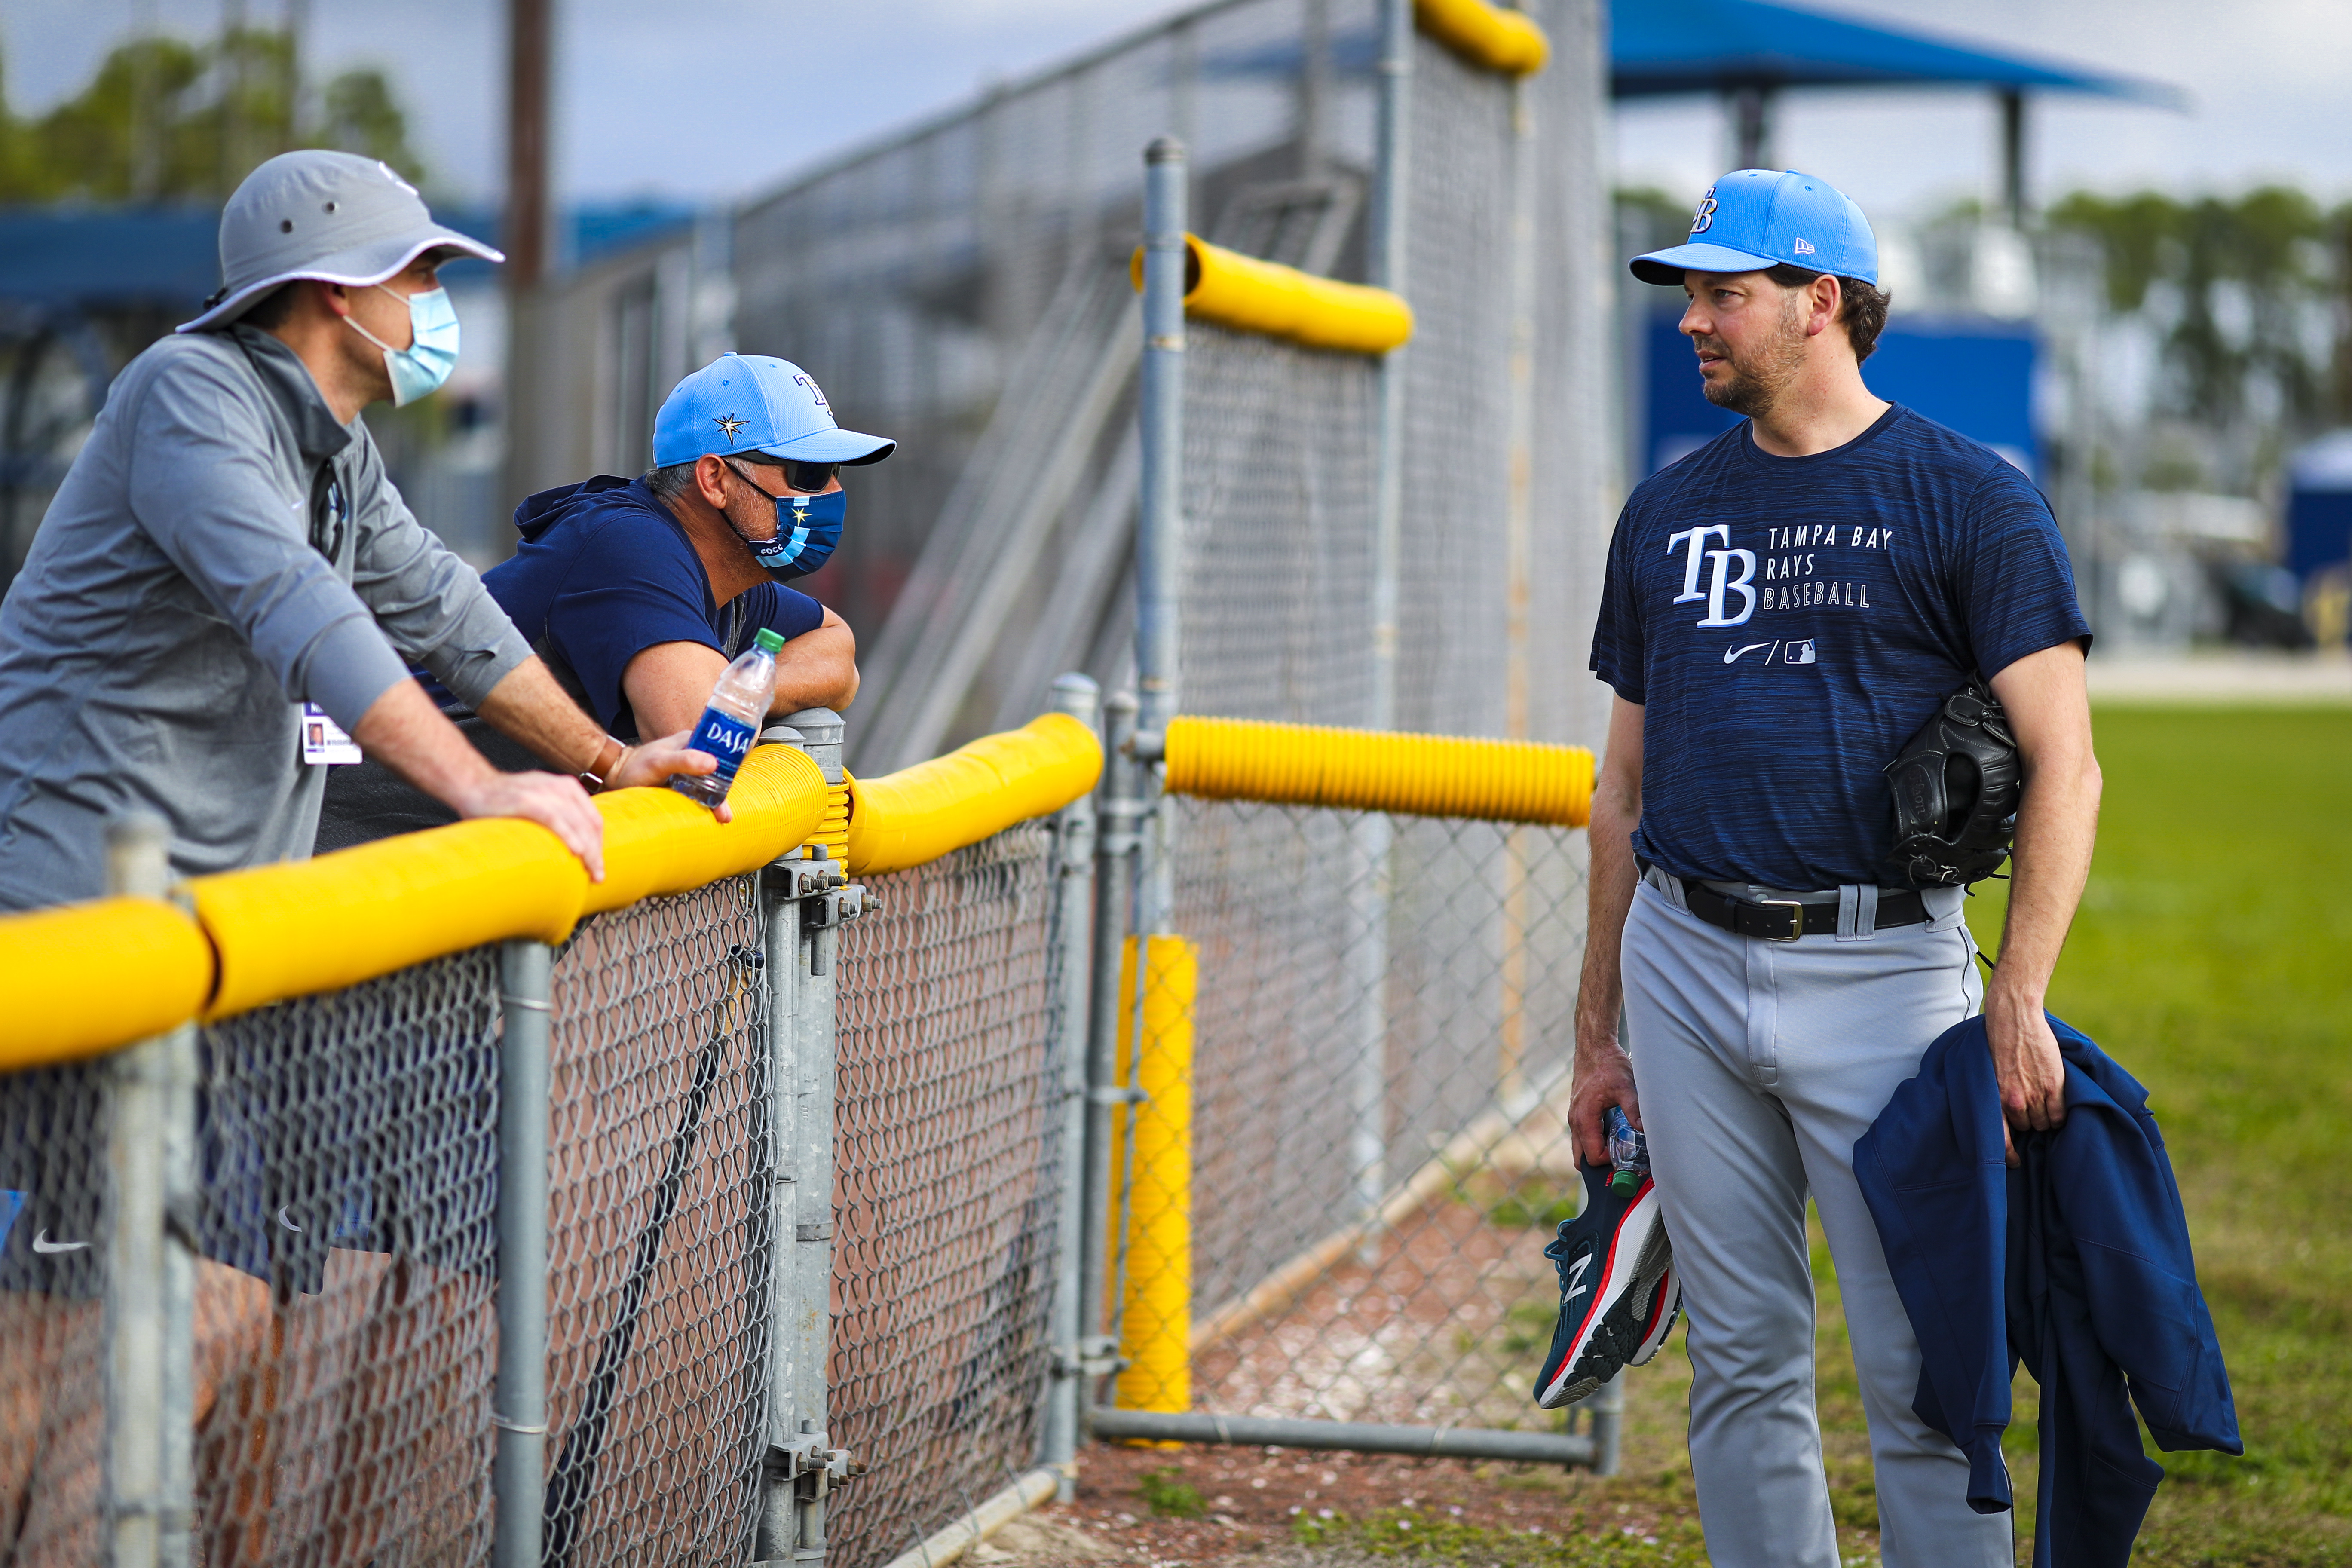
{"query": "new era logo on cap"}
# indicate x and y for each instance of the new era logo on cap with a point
(1752, 219)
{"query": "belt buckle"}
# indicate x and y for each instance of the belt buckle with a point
(1796, 919)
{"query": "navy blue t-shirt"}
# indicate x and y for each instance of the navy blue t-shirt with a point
(1788, 623)
(605, 572)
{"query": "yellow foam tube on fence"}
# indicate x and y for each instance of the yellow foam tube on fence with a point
(917, 815)
(1156, 1304)
(303, 926)
(1253, 296)
(1485, 34)
(657, 841)
(832, 830)
(306, 926)
(87, 978)
(1369, 770)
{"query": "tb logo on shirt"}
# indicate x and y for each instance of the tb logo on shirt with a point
(1722, 582)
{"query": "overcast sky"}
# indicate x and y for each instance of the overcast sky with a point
(719, 98)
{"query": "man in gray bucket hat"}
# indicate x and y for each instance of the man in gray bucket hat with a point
(228, 553)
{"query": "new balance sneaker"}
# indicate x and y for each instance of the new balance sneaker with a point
(1614, 1264)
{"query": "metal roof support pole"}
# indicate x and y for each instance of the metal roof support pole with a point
(2013, 155)
(148, 1288)
(1751, 107)
(518, 1405)
(1074, 918)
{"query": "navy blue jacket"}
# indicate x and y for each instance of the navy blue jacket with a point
(2077, 1262)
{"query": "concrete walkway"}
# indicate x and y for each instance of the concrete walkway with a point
(2223, 678)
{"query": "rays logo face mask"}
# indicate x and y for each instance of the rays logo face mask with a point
(420, 369)
(808, 531)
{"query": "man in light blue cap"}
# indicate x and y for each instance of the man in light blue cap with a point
(1783, 609)
(638, 593)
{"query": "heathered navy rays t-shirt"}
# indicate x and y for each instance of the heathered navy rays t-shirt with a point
(1788, 623)
(605, 572)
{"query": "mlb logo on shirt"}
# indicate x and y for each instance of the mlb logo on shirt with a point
(1800, 653)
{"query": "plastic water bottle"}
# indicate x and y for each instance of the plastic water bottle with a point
(739, 705)
(1629, 1151)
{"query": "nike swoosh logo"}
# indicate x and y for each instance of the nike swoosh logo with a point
(1576, 1276)
(289, 1223)
(1731, 654)
(41, 1243)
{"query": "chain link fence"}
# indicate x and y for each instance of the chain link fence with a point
(345, 1314)
(1375, 1173)
(952, 1177)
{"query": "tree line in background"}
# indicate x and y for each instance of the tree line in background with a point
(166, 121)
(2251, 297)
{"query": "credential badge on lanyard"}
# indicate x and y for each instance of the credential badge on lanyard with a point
(323, 740)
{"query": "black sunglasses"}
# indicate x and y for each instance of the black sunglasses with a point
(807, 478)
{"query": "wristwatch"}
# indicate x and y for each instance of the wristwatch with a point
(611, 754)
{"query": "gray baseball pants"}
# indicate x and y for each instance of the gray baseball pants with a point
(1759, 1064)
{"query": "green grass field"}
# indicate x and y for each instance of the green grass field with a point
(2213, 958)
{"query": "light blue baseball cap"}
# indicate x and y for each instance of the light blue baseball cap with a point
(1754, 218)
(751, 403)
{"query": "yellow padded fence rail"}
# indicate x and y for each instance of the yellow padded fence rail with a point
(296, 928)
(918, 813)
(88, 977)
(306, 926)
(1369, 770)
(1485, 34)
(1277, 301)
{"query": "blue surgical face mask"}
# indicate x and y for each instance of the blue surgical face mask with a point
(420, 369)
(808, 529)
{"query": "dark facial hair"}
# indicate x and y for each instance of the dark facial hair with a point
(1755, 384)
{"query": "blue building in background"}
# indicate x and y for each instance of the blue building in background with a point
(1971, 374)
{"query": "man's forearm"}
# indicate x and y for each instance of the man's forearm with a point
(1601, 992)
(404, 731)
(817, 669)
(2057, 825)
(528, 706)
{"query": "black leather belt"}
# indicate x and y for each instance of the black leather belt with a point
(1786, 919)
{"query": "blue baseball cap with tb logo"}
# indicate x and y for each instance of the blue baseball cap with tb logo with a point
(1754, 218)
(753, 403)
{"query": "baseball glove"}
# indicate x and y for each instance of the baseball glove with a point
(1956, 787)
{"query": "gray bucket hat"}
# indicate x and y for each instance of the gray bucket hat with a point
(335, 216)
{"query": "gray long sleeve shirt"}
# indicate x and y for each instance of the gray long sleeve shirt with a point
(221, 551)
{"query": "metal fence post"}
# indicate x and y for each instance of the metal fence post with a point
(1074, 918)
(150, 1274)
(519, 1406)
(780, 913)
(1160, 533)
(810, 901)
(1116, 850)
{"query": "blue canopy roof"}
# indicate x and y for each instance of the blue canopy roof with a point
(1713, 46)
